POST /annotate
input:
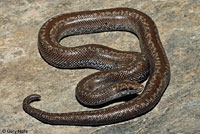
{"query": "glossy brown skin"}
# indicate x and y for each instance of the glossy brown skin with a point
(122, 70)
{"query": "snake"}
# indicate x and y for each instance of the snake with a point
(120, 74)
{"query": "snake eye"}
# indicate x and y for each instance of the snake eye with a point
(106, 23)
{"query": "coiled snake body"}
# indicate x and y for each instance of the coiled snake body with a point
(120, 71)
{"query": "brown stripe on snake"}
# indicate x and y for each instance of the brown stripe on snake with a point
(121, 71)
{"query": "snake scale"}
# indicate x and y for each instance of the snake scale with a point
(121, 72)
